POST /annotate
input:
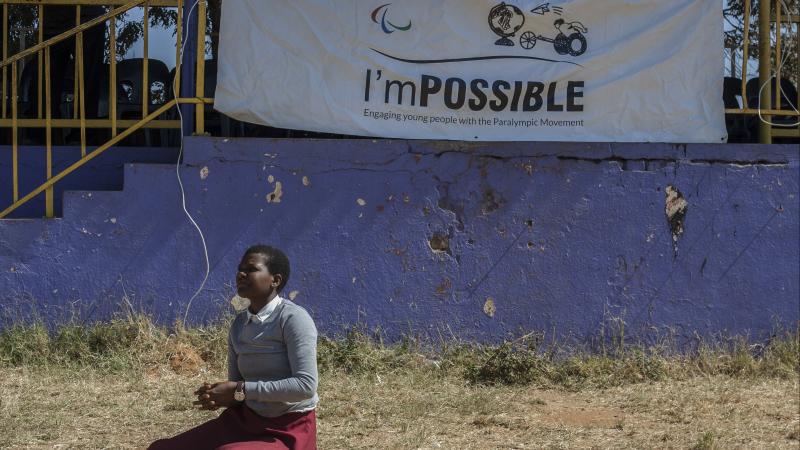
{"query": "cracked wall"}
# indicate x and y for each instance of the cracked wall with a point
(479, 241)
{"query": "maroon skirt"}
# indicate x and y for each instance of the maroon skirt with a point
(241, 428)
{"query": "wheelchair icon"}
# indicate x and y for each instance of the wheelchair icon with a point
(573, 43)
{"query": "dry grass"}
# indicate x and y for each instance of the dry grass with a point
(47, 408)
(92, 388)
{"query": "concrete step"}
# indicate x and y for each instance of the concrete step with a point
(104, 172)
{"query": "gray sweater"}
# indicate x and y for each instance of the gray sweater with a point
(277, 360)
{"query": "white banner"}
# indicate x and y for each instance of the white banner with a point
(582, 70)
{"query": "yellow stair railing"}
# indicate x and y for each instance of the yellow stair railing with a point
(79, 120)
(770, 12)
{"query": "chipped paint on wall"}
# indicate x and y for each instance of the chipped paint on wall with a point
(439, 243)
(488, 307)
(675, 207)
(276, 195)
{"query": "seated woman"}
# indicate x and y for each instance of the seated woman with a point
(270, 395)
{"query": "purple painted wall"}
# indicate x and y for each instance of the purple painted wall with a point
(416, 237)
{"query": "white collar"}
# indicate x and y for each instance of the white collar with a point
(262, 315)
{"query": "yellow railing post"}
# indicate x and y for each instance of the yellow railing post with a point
(5, 56)
(201, 67)
(745, 51)
(75, 86)
(112, 75)
(777, 56)
(39, 65)
(48, 195)
(764, 97)
(145, 63)
(14, 156)
(176, 83)
(82, 91)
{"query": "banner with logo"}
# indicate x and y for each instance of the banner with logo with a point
(582, 70)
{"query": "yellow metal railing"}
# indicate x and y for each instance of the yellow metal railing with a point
(154, 120)
(770, 12)
(42, 52)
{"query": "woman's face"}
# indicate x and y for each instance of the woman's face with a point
(253, 280)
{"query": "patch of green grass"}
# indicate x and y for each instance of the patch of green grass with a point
(706, 442)
(358, 353)
(737, 357)
(133, 344)
(528, 361)
(24, 345)
(117, 346)
(525, 362)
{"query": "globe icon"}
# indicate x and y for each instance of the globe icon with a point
(505, 20)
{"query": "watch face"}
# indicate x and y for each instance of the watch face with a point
(238, 396)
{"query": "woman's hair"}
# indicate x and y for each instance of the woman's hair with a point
(275, 260)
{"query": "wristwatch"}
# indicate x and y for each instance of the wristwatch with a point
(238, 394)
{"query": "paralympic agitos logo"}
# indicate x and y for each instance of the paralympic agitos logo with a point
(387, 26)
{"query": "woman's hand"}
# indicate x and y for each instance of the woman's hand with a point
(214, 396)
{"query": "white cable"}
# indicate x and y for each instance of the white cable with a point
(178, 165)
(778, 83)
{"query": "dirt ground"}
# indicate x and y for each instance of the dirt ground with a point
(63, 408)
